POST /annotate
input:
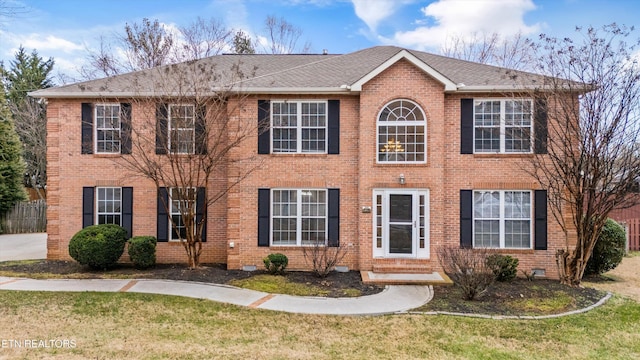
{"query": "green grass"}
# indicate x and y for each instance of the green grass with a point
(145, 326)
(278, 285)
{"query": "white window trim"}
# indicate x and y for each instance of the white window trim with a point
(401, 123)
(503, 126)
(299, 216)
(171, 213)
(95, 128)
(299, 126)
(97, 200)
(169, 128)
(502, 219)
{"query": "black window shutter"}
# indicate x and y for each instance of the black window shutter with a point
(163, 217)
(125, 128)
(87, 128)
(162, 128)
(127, 210)
(333, 136)
(334, 218)
(466, 126)
(201, 130)
(264, 206)
(540, 219)
(264, 125)
(540, 130)
(466, 219)
(201, 206)
(88, 206)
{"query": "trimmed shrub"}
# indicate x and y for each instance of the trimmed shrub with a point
(98, 246)
(609, 249)
(142, 251)
(504, 267)
(276, 263)
(467, 268)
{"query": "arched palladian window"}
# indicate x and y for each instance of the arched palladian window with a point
(402, 133)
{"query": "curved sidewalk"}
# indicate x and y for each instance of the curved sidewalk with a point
(392, 299)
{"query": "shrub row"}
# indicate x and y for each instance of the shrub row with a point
(100, 247)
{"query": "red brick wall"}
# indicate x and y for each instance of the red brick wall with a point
(354, 171)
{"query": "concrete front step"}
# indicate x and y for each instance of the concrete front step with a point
(386, 278)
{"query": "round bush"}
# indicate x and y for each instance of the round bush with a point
(276, 263)
(142, 251)
(504, 267)
(609, 249)
(98, 246)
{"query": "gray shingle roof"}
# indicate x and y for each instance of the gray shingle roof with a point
(299, 73)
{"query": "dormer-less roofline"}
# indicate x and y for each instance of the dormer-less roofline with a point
(404, 54)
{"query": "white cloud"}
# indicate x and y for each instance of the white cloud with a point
(463, 18)
(45, 43)
(374, 11)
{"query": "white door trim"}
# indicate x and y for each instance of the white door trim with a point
(420, 231)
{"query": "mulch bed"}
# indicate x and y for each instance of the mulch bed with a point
(335, 283)
(518, 297)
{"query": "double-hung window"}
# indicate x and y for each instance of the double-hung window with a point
(502, 219)
(402, 133)
(299, 217)
(503, 125)
(183, 200)
(107, 127)
(109, 205)
(182, 129)
(299, 126)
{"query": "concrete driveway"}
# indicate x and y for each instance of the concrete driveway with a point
(23, 246)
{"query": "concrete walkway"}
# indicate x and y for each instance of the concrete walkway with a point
(393, 299)
(23, 246)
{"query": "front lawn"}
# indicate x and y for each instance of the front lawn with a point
(142, 326)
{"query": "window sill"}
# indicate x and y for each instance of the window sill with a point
(512, 251)
(302, 155)
(409, 164)
(105, 155)
(503, 155)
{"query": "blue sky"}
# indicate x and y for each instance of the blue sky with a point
(65, 29)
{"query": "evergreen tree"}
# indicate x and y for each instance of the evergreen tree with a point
(242, 43)
(29, 72)
(26, 73)
(11, 165)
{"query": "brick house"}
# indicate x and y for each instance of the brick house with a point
(387, 152)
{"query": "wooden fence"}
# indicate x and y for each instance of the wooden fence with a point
(25, 217)
(633, 233)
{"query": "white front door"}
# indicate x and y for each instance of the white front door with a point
(401, 223)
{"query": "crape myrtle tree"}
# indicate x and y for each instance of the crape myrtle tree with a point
(184, 138)
(592, 92)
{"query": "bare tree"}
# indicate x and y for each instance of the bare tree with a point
(184, 143)
(516, 52)
(30, 114)
(593, 94)
(283, 36)
(147, 45)
(202, 38)
(102, 63)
